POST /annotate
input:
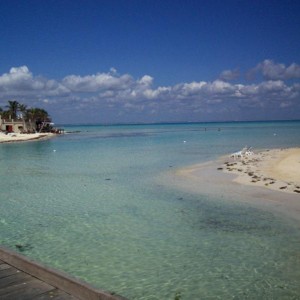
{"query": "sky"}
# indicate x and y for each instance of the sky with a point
(141, 61)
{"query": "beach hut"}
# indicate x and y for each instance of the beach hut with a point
(12, 125)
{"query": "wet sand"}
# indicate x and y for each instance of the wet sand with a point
(229, 178)
(276, 169)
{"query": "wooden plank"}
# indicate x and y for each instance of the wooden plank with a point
(8, 272)
(25, 291)
(63, 281)
(14, 279)
(4, 267)
(55, 295)
(21, 282)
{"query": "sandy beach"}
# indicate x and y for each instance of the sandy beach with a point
(268, 178)
(19, 137)
(276, 169)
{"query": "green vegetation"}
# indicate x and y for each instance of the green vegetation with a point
(16, 110)
(37, 119)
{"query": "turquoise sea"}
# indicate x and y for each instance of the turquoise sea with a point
(94, 203)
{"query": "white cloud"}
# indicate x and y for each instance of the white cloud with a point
(271, 86)
(16, 77)
(275, 71)
(146, 80)
(20, 82)
(113, 70)
(94, 83)
(189, 89)
(220, 87)
(229, 75)
(159, 93)
(112, 91)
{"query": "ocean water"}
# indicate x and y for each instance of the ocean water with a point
(93, 203)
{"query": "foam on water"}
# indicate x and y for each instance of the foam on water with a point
(97, 209)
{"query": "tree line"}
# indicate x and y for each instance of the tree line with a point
(16, 110)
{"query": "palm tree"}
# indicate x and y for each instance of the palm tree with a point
(5, 114)
(13, 108)
(29, 118)
(23, 109)
(37, 116)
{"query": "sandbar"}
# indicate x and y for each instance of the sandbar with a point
(276, 169)
(268, 179)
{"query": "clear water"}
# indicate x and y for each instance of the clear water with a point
(91, 204)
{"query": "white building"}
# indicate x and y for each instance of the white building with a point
(12, 125)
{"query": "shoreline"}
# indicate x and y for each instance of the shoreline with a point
(23, 137)
(213, 179)
(276, 169)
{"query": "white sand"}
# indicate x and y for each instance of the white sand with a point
(273, 183)
(19, 137)
(277, 169)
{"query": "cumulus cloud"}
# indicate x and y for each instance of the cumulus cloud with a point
(274, 71)
(17, 77)
(146, 80)
(229, 75)
(20, 82)
(93, 83)
(121, 93)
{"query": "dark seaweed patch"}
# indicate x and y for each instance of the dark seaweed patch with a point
(24, 247)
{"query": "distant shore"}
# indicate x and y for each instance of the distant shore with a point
(22, 137)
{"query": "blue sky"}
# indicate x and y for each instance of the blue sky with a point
(152, 61)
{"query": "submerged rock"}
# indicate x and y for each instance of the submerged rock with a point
(24, 247)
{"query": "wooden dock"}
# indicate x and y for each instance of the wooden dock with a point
(22, 279)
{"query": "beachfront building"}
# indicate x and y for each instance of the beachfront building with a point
(20, 119)
(13, 125)
(19, 125)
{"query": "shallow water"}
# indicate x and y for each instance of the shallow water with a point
(93, 204)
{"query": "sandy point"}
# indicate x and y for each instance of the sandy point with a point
(22, 137)
(276, 169)
(267, 179)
